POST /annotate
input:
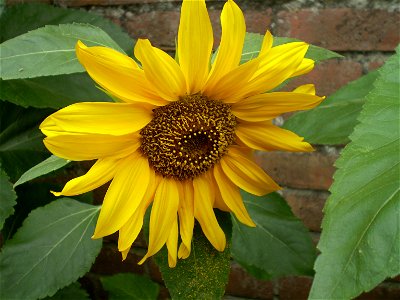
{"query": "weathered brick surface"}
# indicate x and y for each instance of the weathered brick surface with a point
(342, 29)
(299, 170)
(329, 76)
(386, 291)
(307, 205)
(294, 288)
(161, 27)
(241, 284)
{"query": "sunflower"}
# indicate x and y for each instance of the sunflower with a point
(182, 133)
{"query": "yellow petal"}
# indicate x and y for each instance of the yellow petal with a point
(125, 252)
(163, 215)
(186, 216)
(124, 195)
(131, 229)
(183, 251)
(172, 244)
(267, 137)
(305, 89)
(267, 43)
(305, 67)
(161, 70)
(195, 41)
(204, 213)
(101, 118)
(246, 174)
(80, 146)
(235, 80)
(100, 173)
(118, 74)
(231, 195)
(270, 105)
(219, 202)
(232, 39)
(276, 66)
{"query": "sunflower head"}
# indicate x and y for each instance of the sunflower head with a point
(181, 137)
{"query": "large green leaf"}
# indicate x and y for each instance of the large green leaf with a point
(52, 249)
(7, 196)
(45, 167)
(49, 50)
(334, 119)
(360, 241)
(37, 15)
(204, 274)
(130, 286)
(51, 91)
(71, 292)
(21, 145)
(253, 42)
(278, 246)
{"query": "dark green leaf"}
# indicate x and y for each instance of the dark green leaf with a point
(334, 119)
(361, 229)
(130, 286)
(7, 196)
(37, 15)
(71, 292)
(21, 145)
(47, 166)
(204, 274)
(280, 245)
(49, 50)
(51, 91)
(52, 249)
(253, 42)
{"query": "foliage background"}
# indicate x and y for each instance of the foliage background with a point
(359, 30)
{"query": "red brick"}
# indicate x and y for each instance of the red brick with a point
(385, 291)
(342, 29)
(291, 288)
(110, 262)
(241, 284)
(161, 27)
(375, 64)
(105, 2)
(299, 170)
(329, 76)
(307, 205)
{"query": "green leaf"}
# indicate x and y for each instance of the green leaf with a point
(51, 91)
(36, 15)
(361, 228)
(49, 50)
(253, 42)
(71, 292)
(52, 249)
(47, 166)
(333, 130)
(21, 145)
(130, 286)
(204, 274)
(278, 246)
(7, 196)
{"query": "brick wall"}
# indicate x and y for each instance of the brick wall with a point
(365, 32)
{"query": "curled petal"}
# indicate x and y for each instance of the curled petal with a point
(265, 136)
(118, 74)
(161, 70)
(100, 173)
(246, 174)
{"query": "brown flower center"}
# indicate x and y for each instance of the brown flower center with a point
(187, 137)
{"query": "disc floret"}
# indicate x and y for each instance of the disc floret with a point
(187, 137)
